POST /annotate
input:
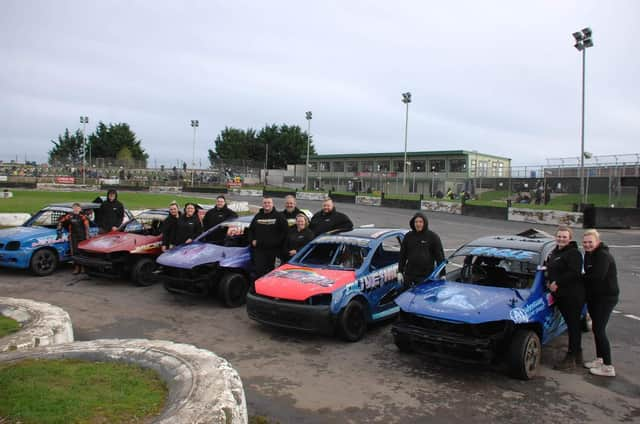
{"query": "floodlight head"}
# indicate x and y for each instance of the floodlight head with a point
(308, 115)
(588, 42)
(406, 97)
(579, 46)
(578, 36)
(588, 155)
(587, 32)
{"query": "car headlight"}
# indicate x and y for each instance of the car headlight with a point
(12, 245)
(320, 299)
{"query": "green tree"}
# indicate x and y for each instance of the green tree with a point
(110, 141)
(68, 148)
(287, 145)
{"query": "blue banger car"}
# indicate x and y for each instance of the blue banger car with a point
(336, 282)
(35, 244)
(487, 302)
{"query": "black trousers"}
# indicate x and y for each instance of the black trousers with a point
(570, 308)
(600, 311)
(264, 261)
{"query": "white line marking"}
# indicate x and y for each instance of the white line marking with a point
(632, 317)
(449, 250)
(616, 312)
(620, 246)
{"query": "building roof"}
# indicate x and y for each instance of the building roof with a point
(401, 154)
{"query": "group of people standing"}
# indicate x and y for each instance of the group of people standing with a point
(574, 281)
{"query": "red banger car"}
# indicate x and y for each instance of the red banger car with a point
(129, 252)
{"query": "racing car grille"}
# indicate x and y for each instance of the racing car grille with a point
(486, 329)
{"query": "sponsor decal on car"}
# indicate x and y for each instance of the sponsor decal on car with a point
(147, 247)
(49, 240)
(303, 275)
(503, 253)
(378, 278)
(357, 241)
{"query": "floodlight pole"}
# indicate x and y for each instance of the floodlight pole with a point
(308, 117)
(84, 120)
(195, 124)
(583, 41)
(406, 99)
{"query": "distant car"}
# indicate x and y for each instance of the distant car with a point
(218, 262)
(129, 252)
(337, 282)
(490, 305)
(36, 246)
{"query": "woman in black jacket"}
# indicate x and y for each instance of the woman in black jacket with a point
(188, 226)
(298, 236)
(601, 285)
(564, 266)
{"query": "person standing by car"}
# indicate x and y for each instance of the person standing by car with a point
(290, 211)
(78, 226)
(602, 292)
(564, 266)
(188, 226)
(328, 219)
(169, 227)
(298, 236)
(110, 213)
(420, 252)
(218, 214)
(267, 232)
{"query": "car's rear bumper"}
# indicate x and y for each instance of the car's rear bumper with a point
(291, 315)
(446, 345)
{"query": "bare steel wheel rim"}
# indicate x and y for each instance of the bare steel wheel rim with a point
(532, 353)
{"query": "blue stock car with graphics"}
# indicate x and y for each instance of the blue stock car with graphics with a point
(487, 302)
(339, 282)
(35, 245)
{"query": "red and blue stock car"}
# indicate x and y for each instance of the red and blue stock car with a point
(338, 282)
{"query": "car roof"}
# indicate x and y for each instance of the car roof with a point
(369, 232)
(69, 205)
(527, 240)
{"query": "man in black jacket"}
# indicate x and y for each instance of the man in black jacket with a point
(328, 219)
(218, 214)
(267, 232)
(111, 213)
(420, 252)
(169, 227)
(290, 210)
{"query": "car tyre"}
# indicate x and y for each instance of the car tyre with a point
(524, 354)
(232, 289)
(142, 272)
(352, 321)
(43, 262)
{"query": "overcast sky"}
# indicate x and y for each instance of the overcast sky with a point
(501, 77)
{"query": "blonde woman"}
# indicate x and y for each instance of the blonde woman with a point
(601, 284)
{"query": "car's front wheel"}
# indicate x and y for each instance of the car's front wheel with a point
(44, 262)
(142, 272)
(524, 354)
(352, 321)
(232, 289)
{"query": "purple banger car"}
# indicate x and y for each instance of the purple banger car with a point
(216, 262)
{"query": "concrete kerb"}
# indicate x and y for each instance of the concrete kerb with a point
(203, 388)
(41, 324)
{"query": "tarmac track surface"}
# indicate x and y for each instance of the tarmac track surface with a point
(296, 378)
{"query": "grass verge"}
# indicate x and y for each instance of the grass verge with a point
(73, 391)
(8, 326)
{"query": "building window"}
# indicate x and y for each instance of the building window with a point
(338, 166)
(457, 165)
(325, 166)
(397, 166)
(437, 165)
(418, 165)
(352, 166)
(313, 166)
(366, 166)
(483, 167)
(382, 166)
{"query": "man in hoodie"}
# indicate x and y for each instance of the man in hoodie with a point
(420, 252)
(111, 213)
(328, 219)
(267, 232)
(218, 214)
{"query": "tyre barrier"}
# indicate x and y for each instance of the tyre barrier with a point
(203, 388)
(42, 324)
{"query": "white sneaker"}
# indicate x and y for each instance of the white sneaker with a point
(604, 370)
(596, 363)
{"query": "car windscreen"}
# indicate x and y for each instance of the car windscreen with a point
(146, 223)
(49, 218)
(334, 255)
(228, 234)
(493, 267)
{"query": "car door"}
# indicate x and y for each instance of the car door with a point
(381, 281)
